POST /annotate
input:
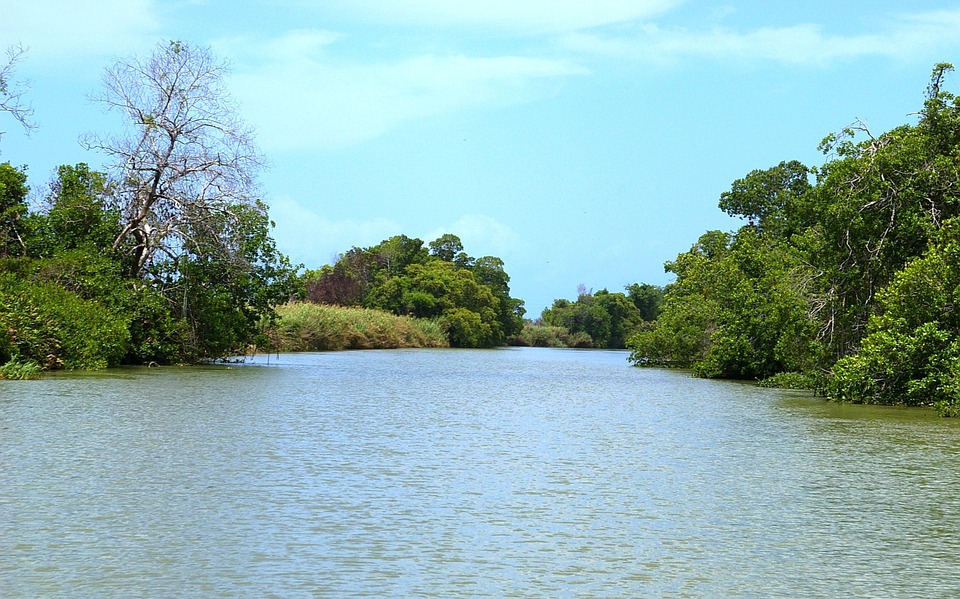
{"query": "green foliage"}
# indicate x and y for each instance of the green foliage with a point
(438, 289)
(733, 311)
(77, 215)
(228, 279)
(911, 355)
(470, 297)
(56, 328)
(538, 335)
(791, 380)
(70, 302)
(157, 333)
(15, 370)
(848, 283)
(13, 207)
(647, 298)
(769, 199)
(606, 319)
(314, 327)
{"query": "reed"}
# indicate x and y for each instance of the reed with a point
(18, 370)
(319, 327)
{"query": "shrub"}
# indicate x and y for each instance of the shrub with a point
(47, 324)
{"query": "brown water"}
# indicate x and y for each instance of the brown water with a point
(445, 473)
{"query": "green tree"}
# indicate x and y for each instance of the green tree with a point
(227, 281)
(911, 355)
(770, 199)
(78, 215)
(438, 289)
(876, 206)
(449, 248)
(733, 311)
(605, 319)
(647, 298)
(13, 208)
(490, 271)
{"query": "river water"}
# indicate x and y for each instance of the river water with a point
(456, 473)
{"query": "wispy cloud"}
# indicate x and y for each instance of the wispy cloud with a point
(299, 96)
(310, 237)
(61, 33)
(528, 16)
(907, 36)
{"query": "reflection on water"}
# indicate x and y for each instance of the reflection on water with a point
(520, 472)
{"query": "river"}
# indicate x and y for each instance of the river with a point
(460, 473)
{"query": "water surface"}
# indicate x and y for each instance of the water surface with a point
(452, 473)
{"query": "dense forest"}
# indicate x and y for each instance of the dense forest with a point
(844, 278)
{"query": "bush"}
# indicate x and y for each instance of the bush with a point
(47, 324)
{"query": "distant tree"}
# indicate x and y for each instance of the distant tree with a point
(606, 319)
(395, 254)
(489, 271)
(449, 248)
(446, 247)
(438, 289)
(186, 156)
(647, 298)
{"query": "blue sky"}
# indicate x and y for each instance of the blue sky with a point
(582, 142)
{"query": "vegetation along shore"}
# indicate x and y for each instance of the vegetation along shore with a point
(843, 277)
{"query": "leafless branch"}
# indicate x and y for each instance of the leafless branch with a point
(12, 92)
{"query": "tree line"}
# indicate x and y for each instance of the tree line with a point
(603, 320)
(845, 278)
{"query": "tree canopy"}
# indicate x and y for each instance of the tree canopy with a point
(469, 297)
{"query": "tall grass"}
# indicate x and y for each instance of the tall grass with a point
(318, 327)
(20, 370)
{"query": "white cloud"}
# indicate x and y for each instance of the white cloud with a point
(482, 236)
(297, 96)
(803, 44)
(526, 16)
(62, 33)
(308, 237)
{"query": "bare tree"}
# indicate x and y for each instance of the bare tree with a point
(12, 92)
(185, 156)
